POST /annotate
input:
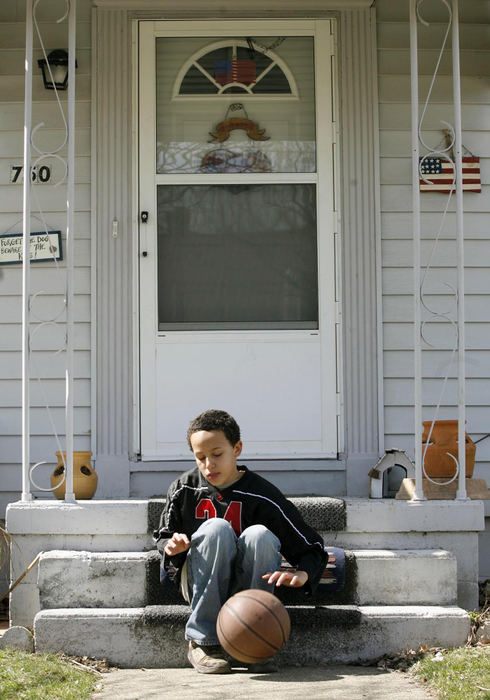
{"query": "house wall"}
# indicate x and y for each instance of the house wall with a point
(396, 204)
(116, 394)
(45, 277)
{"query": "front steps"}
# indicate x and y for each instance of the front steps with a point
(153, 637)
(406, 566)
(359, 524)
(110, 605)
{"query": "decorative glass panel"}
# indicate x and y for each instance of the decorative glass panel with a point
(256, 103)
(237, 257)
(233, 65)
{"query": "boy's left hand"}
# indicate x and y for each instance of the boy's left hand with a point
(291, 579)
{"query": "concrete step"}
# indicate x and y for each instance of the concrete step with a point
(153, 637)
(69, 579)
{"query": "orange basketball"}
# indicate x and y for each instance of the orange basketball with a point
(253, 625)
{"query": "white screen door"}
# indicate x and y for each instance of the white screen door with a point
(236, 234)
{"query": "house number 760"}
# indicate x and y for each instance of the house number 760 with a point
(42, 174)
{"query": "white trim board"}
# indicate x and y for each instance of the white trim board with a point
(250, 6)
(252, 462)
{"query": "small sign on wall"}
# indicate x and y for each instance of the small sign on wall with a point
(45, 247)
(439, 174)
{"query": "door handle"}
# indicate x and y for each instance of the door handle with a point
(144, 220)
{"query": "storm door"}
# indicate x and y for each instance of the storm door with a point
(236, 234)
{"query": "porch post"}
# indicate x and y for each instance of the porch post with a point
(414, 75)
(457, 187)
(461, 492)
(26, 221)
(29, 145)
(114, 361)
(359, 126)
(70, 212)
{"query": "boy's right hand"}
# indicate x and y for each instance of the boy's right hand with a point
(179, 543)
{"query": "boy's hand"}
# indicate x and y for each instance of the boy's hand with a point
(291, 579)
(179, 543)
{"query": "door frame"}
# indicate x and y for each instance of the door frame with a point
(327, 232)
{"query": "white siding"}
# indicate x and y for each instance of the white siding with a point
(44, 276)
(395, 169)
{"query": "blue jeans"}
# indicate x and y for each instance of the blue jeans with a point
(220, 564)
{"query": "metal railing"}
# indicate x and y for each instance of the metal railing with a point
(33, 155)
(451, 153)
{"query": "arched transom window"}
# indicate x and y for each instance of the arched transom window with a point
(235, 66)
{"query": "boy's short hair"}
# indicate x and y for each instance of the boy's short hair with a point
(213, 419)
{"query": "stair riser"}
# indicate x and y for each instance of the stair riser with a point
(92, 580)
(111, 580)
(411, 578)
(121, 637)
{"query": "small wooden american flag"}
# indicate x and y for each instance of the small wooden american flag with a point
(440, 173)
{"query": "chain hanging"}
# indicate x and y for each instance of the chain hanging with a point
(264, 49)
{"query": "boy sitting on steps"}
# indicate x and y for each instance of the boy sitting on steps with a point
(226, 529)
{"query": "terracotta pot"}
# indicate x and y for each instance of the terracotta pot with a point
(84, 477)
(444, 440)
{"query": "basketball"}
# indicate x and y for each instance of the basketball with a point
(253, 625)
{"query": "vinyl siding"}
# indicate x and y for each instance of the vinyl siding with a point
(44, 276)
(395, 172)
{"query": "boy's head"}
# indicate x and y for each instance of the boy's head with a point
(213, 419)
(214, 438)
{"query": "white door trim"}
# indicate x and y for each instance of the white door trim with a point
(327, 226)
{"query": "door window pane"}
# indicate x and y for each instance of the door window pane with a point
(265, 84)
(237, 257)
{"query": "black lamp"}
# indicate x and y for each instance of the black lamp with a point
(58, 62)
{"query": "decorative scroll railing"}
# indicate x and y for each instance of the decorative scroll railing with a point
(34, 156)
(452, 153)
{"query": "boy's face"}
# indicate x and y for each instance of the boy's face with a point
(216, 456)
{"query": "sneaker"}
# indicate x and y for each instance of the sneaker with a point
(268, 666)
(208, 659)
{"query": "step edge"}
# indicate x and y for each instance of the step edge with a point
(144, 555)
(366, 610)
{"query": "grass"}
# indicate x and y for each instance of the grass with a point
(457, 674)
(42, 677)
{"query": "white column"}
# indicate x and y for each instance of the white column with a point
(112, 120)
(70, 211)
(414, 74)
(26, 230)
(461, 493)
(360, 245)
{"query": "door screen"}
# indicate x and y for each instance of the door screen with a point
(237, 257)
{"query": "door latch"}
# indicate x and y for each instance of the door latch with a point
(144, 220)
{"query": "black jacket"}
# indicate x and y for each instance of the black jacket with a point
(252, 500)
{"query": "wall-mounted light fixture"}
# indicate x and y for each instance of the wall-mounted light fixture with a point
(58, 63)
